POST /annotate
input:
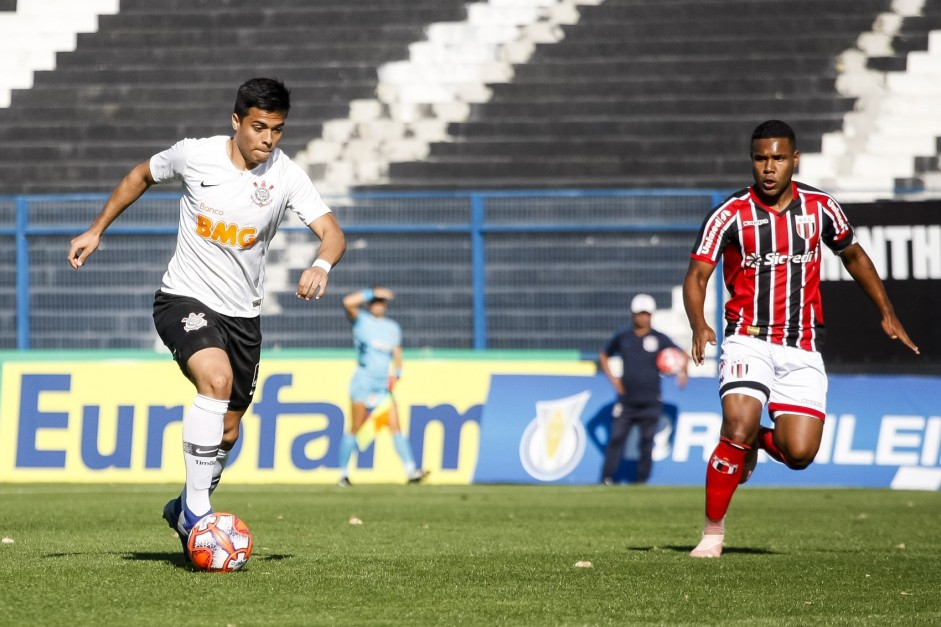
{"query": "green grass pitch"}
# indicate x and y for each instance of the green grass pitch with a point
(475, 555)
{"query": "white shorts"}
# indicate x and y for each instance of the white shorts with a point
(790, 380)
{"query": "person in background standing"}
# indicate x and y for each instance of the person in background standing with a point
(378, 341)
(638, 387)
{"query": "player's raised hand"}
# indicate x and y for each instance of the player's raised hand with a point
(383, 292)
(81, 247)
(313, 283)
(701, 336)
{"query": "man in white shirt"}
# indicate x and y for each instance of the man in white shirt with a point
(236, 191)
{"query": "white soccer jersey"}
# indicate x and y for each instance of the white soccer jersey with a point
(227, 219)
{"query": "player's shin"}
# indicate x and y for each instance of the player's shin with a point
(202, 433)
(347, 444)
(222, 459)
(722, 477)
(404, 449)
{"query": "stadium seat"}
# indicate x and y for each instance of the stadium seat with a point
(152, 74)
(528, 94)
(631, 77)
(491, 94)
(888, 143)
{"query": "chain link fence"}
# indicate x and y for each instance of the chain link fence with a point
(484, 270)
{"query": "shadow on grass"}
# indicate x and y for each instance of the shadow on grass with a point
(177, 559)
(741, 550)
(174, 558)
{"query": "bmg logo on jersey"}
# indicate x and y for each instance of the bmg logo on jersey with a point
(226, 234)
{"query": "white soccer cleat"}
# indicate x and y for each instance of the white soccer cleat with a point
(709, 546)
(418, 475)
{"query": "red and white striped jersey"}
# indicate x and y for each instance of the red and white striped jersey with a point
(771, 262)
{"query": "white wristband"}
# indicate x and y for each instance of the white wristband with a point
(325, 265)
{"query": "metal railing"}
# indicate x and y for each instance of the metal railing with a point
(479, 269)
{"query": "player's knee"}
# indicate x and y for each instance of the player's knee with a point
(799, 459)
(738, 433)
(218, 385)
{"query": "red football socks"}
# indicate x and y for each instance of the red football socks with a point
(766, 442)
(722, 476)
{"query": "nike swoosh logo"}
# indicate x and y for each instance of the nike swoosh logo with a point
(204, 184)
(207, 451)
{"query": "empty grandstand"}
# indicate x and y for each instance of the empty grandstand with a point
(451, 98)
(506, 93)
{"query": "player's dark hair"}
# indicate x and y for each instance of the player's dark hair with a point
(267, 94)
(774, 128)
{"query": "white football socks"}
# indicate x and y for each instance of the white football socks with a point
(222, 460)
(203, 424)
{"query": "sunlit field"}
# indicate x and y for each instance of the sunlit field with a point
(474, 555)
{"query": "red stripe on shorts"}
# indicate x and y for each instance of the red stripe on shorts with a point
(775, 408)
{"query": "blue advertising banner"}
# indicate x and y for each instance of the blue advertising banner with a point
(880, 432)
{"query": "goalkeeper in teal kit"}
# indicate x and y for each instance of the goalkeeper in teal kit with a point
(378, 342)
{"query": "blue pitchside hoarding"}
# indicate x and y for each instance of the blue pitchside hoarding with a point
(880, 432)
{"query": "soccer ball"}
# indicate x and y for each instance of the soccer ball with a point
(219, 542)
(670, 361)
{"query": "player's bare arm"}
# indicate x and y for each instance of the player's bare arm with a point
(128, 190)
(383, 292)
(313, 281)
(354, 300)
(694, 300)
(351, 304)
(860, 266)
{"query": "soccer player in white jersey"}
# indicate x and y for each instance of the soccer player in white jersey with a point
(770, 238)
(378, 342)
(236, 190)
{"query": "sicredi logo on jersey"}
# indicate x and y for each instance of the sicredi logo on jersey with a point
(776, 259)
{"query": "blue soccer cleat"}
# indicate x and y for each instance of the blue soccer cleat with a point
(173, 514)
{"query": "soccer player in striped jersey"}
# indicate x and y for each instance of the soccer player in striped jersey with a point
(236, 191)
(769, 237)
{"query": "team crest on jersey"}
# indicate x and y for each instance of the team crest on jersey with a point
(806, 226)
(651, 344)
(262, 196)
(194, 321)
